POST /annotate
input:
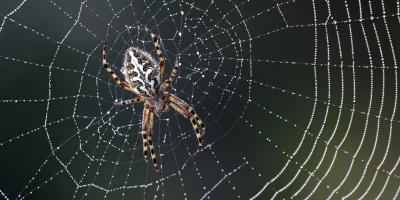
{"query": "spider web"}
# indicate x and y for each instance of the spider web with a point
(299, 99)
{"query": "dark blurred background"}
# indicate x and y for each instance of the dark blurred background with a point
(299, 99)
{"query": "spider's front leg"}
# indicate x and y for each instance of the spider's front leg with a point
(171, 77)
(186, 110)
(158, 50)
(157, 46)
(108, 68)
(147, 132)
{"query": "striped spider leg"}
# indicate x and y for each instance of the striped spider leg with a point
(158, 50)
(147, 132)
(129, 101)
(108, 68)
(171, 77)
(187, 111)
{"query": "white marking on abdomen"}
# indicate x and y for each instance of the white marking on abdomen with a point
(135, 61)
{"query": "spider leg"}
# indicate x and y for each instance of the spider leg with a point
(171, 77)
(144, 134)
(147, 132)
(158, 50)
(186, 110)
(129, 101)
(108, 68)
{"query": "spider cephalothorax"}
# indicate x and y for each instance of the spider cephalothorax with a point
(142, 76)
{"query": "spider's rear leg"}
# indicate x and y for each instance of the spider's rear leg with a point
(144, 132)
(150, 141)
(187, 111)
(198, 126)
(147, 130)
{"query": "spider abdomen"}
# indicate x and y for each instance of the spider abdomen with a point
(141, 72)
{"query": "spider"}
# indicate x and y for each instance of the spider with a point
(143, 76)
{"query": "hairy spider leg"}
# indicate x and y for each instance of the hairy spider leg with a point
(171, 77)
(158, 50)
(145, 118)
(150, 141)
(130, 101)
(122, 84)
(184, 109)
(147, 132)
